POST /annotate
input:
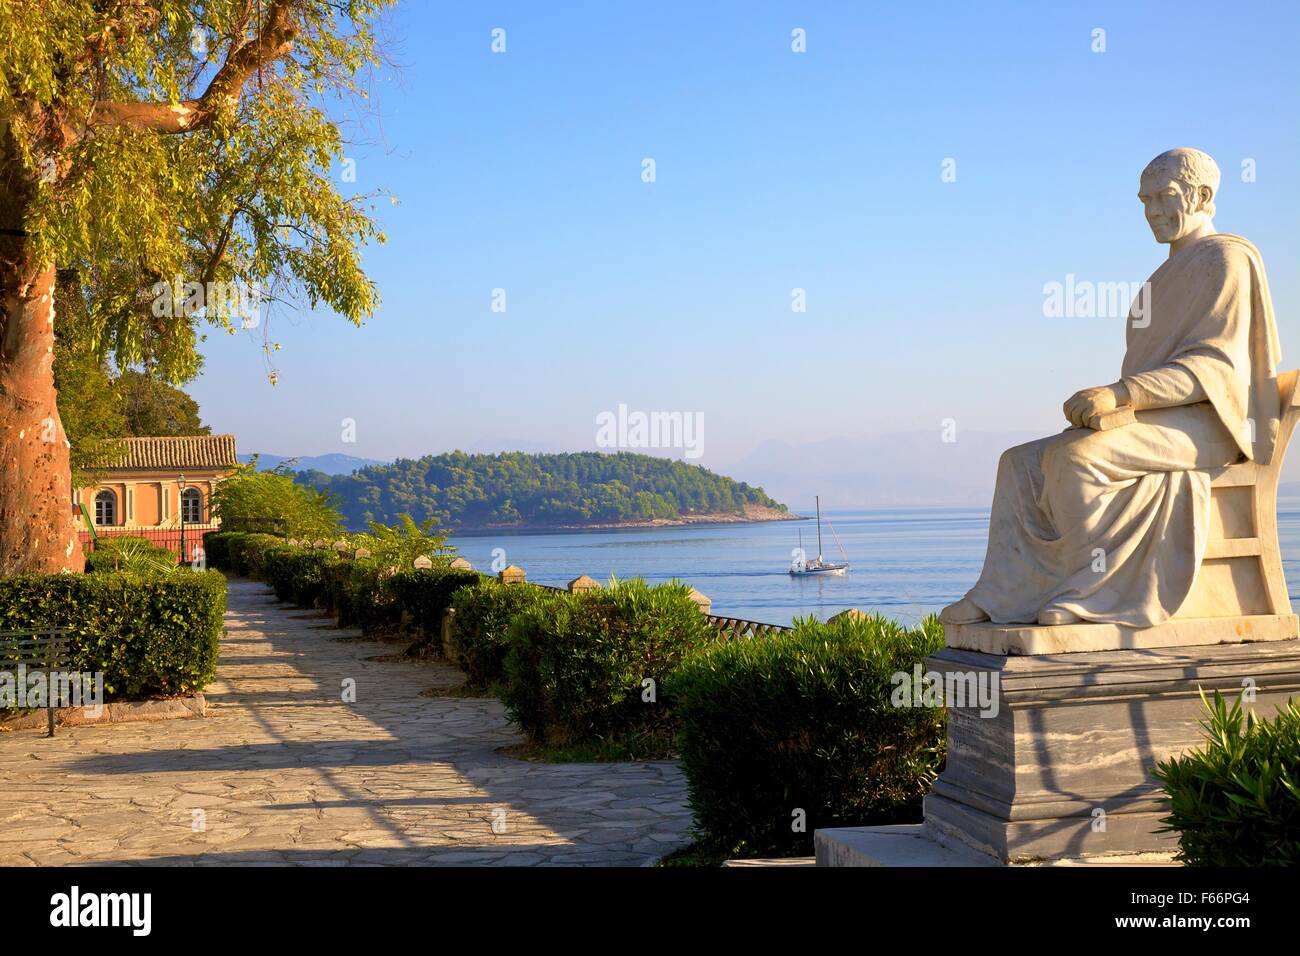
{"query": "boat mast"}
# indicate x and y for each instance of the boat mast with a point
(819, 527)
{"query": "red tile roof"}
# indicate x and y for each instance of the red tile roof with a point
(191, 451)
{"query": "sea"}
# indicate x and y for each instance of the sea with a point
(903, 562)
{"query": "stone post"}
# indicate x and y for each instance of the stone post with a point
(851, 614)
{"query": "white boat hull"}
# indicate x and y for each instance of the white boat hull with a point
(828, 569)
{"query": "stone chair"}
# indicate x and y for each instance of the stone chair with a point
(1239, 594)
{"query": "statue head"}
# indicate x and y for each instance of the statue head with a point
(1177, 192)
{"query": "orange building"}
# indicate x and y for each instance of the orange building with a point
(158, 484)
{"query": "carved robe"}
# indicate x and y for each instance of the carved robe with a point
(1112, 525)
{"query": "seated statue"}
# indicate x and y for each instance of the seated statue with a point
(1111, 525)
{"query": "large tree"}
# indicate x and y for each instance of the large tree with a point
(171, 158)
(151, 406)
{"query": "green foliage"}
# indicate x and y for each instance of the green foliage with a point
(150, 635)
(478, 491)
(251, 500)
(481, 636)
(151, 406)
(421, 597)
(298, 575)
(357, 598)
(803, 721)
(130, 554)
(92, 416)
(1236, 802)
(246, 194)
(398, 546)
(578, 663)
(238, 552)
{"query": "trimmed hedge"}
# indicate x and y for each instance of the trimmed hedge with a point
(1237, 801)
(298, 575)
(422, 596)
(360, 592)
(151, 636)
(238, 552)
(578, 663)
(803, 721)
(480, 639)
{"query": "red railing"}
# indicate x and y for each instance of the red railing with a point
(169, 538)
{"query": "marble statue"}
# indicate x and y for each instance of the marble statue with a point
(1111, 525)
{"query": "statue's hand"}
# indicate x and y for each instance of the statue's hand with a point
(1084, 404)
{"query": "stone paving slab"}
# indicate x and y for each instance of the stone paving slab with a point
(284, 771)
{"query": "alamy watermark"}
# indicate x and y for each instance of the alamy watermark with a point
(981, 689)
(683, 431)
(226, 301)
(1085, 299)
(21, 687)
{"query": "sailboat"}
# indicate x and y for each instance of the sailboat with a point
(802, 565)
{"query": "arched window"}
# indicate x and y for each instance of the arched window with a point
(192, 506)
(106, 507)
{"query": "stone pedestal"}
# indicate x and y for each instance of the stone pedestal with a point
(1062, 770)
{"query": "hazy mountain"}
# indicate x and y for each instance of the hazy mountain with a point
(878, 471)
(329, 464)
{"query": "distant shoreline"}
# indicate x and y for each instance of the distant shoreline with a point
(750, 515)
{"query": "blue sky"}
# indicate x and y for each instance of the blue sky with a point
(775, 170)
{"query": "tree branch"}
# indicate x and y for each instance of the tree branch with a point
(274, 41)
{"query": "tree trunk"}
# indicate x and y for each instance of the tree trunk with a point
(37, 530)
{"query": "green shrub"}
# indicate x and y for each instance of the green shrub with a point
(218, 548)
(276, 569)
(803, 721)
(125, 542)
(1237, 801)
(357, 597)
(249, 500)
(308, 572)
(481, 636)
(238, 552)
(130, 554)
(422, 596)
(151, 636)
(297, 574)
(578, 663)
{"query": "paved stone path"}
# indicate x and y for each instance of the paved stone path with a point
(283, 771)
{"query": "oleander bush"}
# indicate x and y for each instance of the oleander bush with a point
(422, 596)
(592, 666)
(480, 638)
(803, 721)
(150, 635)
(1236, 801)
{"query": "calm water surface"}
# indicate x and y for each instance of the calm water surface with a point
(903, 562)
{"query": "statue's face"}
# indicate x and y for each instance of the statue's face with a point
(1172, 209)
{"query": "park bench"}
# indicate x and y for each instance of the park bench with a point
(44, 652)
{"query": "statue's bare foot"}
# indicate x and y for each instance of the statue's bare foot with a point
(1053, 616)
(963, 612)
